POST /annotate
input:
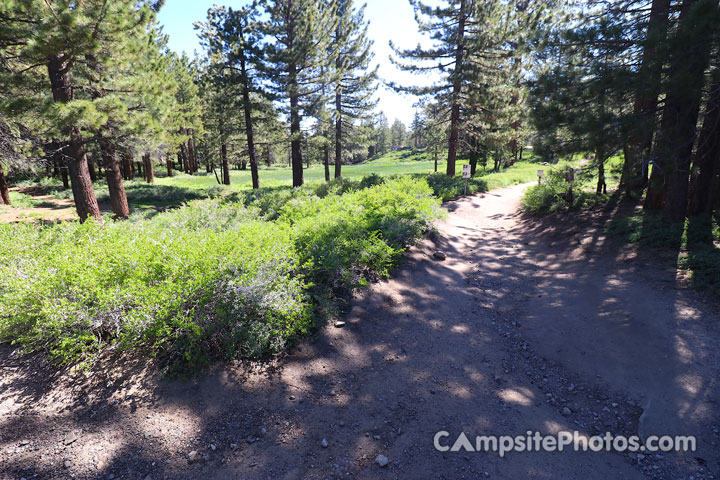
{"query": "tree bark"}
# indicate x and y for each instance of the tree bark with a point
(674, 146)
(127, 166)
(192, 161)
(249, 133)
(83, 193)
(634, 175)
(457, 88)
(326, 162)
(169, 165)
(4, 188)
(148, 167)
(113, 175)
(338, 134)
(601, 184)
(225, 164)
(91, 169)
(295, 143)
(707, 154)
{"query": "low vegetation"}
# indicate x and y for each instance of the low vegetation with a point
(214, 279)
(696, 243)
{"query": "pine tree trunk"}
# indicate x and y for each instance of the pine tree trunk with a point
(127, 166)
(191, 153)
(338, 134)
(169, 165)
(184, 155)
(326, 162)
(91, 169)
(148, 167)
(249, 133)
(4, 188)
(64, 177)
(296, 160)
(634, 175)
(113, 175)
(601, 184)
(457, 87)
(679, 123)
(707, 155)
(83, 193)
(225, 164)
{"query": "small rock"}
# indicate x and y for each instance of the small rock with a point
(192, 456)
(339, 324)
(233, 446)
(292, 397)
(439, 255)
(324, 443)
(212, 447)
(571, 388)
(341, 423)
(376, 437)
(381, 460)
(66, 464)
(614, 404)
(251, 439)
(148, 477)
(566, 411)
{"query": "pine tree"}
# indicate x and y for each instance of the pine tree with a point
(298, 30)
(581, 98)
(398, 133)
(354, 82)
(705, 183)
(82, 47)
(689, 57)
(417, 130)
(470, 37)
(647, 85)
(232, 42)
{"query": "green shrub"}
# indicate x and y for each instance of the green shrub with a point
(211, 280)
(553, 194)
(69, 288)
(446, 188)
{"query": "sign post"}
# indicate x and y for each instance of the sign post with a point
(541, 173)
(466, 175)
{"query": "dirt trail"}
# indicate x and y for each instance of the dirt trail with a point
(538, 325)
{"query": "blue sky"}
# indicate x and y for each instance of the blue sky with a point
(389, 20)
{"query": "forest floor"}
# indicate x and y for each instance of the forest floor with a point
(529, 324)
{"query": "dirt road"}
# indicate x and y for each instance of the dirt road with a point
(527, 325)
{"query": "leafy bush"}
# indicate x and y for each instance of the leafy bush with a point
(350, 237)
(553, 194)
(211, 280)
(446, 188)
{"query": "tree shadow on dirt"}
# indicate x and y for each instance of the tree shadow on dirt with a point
(437, 347)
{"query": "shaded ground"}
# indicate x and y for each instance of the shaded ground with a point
(46, 208)
(524, 319)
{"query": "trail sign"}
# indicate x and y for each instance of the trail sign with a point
(541, 173)
(466, 171)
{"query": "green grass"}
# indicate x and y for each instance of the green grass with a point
(174, 191)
